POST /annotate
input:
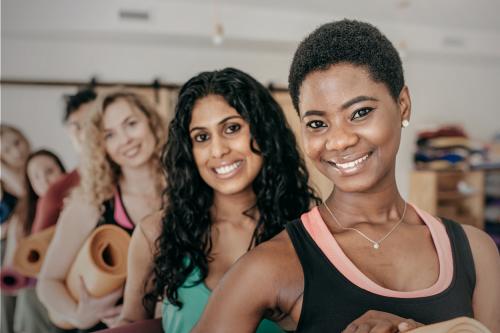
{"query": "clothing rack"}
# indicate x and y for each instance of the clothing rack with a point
(155, 84)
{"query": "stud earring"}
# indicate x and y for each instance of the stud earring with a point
(405, 123)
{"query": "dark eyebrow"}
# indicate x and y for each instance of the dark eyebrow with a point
(123, 122)
(344, 106)
(220, 122)
(127, 119)
(313, 113)
(357, 100)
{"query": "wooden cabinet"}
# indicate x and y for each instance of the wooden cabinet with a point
(454, 194)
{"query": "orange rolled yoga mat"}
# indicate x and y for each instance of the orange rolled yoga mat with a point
(30, 252)
(457, 325)
(101, 262)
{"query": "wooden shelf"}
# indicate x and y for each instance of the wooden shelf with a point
(437, 193)
(455, 195)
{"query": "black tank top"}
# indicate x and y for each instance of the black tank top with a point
(108, 213)
(107, 217)
(331, 302)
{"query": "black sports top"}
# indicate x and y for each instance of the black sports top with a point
(114, 212)
(331, 302)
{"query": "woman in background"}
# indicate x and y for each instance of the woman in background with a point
(121, 183)
(234, 177)
(43, 168)
(15, 149)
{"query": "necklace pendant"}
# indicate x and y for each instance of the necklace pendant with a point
(376, 246)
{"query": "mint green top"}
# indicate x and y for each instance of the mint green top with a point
(194, 296)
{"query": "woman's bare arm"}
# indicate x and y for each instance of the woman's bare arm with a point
(139, 269)
(245, 293)
(486, 299)
(75, 224)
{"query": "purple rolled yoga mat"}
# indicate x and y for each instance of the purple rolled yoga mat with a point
(149, 325)
(11, 281)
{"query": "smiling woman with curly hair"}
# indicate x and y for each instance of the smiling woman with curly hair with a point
(234, 178)
(100, 172)
(121, 183)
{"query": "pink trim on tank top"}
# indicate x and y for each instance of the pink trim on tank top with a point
(319, 232)
(120, 215)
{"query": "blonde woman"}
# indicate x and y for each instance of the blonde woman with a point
(121, 183)
(15, 149)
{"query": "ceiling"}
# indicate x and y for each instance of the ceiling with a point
(457, 27)
(461, 14)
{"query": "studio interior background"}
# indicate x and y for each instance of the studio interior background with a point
(450, 51)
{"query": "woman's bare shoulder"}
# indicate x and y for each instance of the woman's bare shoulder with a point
(268, 277)
(276, 258)
(482, 245)
(150, 226)
(78, 213)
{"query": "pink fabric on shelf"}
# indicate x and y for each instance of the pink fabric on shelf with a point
(319, 232)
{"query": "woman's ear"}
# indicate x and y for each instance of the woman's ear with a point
(404, 103)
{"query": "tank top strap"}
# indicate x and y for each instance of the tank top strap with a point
(120, 214)
(303, 248)
(462, 255)
(113, 212)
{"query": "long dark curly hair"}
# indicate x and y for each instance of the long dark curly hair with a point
(281, 187)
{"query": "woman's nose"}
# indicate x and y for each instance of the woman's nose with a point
(340, 138)
(219, 147)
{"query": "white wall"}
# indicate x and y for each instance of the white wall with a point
(38, 112)
(457, 84)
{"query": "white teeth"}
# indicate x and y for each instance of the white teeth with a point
(352, 164)
(131, 152)
(227, 168)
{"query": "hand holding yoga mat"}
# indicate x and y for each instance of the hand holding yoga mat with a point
(101, 266)
(457, 325)
(30, 252)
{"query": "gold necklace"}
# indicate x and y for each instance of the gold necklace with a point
(376, 244)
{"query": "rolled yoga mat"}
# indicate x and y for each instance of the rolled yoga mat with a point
(101, 262)
(149, 326)
(457, 325)
(30, 252)
(11, 281)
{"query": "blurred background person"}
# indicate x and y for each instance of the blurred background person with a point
(234, 178)
(15, 149)
(43, 168)
(50, 205)
(120, 184)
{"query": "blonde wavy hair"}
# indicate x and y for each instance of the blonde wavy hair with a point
(4, 129)
(100, 174)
